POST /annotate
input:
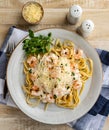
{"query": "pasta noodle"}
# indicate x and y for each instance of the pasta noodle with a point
(58, 76)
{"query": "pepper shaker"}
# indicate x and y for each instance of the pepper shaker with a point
(74, 14)
(85, 28)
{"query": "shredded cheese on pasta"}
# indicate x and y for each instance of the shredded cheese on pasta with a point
(58, 76)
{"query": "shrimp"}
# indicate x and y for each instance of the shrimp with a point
(78, 54)
(36, 91)
(77, 84)
(43, 98)
(73, 66)
(50, 98)
(59, 92)
(53, 74)
(52, 59)
(64, 52)
(47, 98)
(33, 76)
(32, 61)
(35, 88)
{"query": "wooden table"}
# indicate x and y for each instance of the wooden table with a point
(55, 14)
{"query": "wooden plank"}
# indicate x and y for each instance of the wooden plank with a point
(58, 3)
(28, 124)
(13, 119)
(100, 18)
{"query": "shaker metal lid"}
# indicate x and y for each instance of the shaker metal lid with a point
(87, 25)
(75, 11)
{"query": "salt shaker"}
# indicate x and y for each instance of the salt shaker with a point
(85, 28)
(74, 14)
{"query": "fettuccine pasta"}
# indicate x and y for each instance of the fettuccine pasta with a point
(58, 76)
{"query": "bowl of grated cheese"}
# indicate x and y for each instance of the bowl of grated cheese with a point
(32, 12)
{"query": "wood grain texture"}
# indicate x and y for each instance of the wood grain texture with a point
(92, 4)
(10, 14)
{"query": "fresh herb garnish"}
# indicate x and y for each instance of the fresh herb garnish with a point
(38, 76)
(68, 87)
(59, 79)
(30, 70)
(74, 78)
(44, 92)
(55, 86)
(55, 96)
(65, 64)
(37, 44)
(73, 74)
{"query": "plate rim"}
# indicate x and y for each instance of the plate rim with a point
(58, 28)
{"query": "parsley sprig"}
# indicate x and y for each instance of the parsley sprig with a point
(37, 44)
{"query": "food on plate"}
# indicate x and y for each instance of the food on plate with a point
(56, 71)
(32, 12)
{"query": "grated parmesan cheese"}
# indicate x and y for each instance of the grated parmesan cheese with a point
(62, 79)
(32, 12)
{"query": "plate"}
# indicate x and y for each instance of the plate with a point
(54, 114)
